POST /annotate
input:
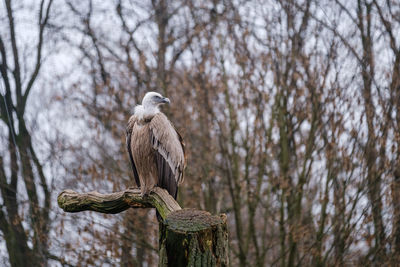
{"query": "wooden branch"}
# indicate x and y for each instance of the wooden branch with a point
(71, 201)
(187, 237)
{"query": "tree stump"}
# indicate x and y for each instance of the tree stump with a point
(191, 237)
(187, 237)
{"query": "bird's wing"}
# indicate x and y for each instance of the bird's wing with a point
(132, 120)
(170, 153)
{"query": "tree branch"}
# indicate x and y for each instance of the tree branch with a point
(17, 70)
(71, 201)
(43, 21)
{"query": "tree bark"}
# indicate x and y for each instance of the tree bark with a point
(188, 237)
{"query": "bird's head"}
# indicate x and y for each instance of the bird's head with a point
(153, 100)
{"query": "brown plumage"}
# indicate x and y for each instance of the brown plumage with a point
(155, 148)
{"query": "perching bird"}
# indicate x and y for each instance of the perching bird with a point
(156, 149)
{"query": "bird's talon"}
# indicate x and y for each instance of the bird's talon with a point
(144, 195)
(132, 188)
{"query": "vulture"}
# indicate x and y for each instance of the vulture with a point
(156, 150)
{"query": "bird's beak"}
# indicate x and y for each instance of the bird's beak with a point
(165, 100)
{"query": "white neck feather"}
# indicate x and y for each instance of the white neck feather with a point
(145, 112)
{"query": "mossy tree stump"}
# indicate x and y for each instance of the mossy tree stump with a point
(187, 237)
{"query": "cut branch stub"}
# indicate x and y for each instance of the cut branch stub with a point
(71, 201)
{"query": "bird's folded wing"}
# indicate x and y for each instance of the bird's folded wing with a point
(169, 145)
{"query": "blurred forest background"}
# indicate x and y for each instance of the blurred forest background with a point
(290, 110)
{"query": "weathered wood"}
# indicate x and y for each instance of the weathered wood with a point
(71, 201)
(188, 237)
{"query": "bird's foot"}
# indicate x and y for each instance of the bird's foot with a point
(133, 187)
(144, 194)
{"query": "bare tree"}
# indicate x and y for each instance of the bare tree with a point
(19, 162)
